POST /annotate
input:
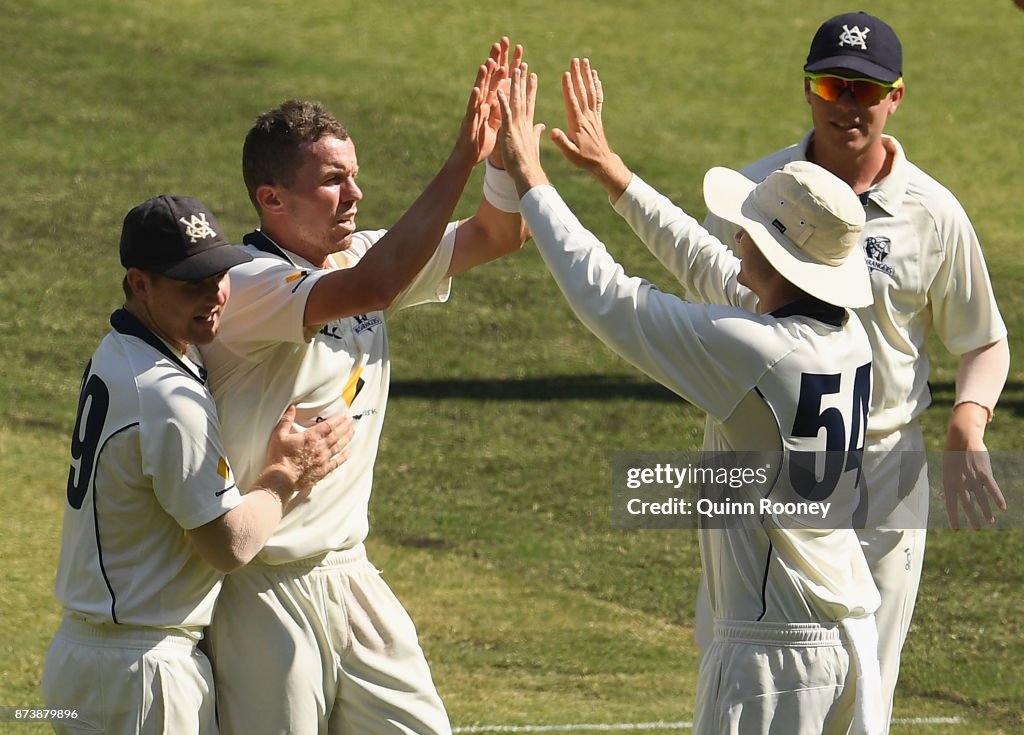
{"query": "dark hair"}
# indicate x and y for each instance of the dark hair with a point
(272, 151)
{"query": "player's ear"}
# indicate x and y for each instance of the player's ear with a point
(268, 198)
(139, 282)
(807, 90)
(895, 97)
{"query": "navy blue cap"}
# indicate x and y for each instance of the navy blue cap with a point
(857, 42)
(177, 237)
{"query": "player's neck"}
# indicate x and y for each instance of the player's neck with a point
(777, 294)
(860, 169)
(283, 238)
(140, 312)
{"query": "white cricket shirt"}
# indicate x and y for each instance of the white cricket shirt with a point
(264, 359)
(146, 463)
(927, 271)
(751, 374)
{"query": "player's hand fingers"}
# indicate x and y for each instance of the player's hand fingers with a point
(966, 500)
(329, 465)
(503, 46)
(498, 75)
(572, 106)
(981, 498)
(587, 79)
(598, 92)
(503, 105)
(517, 92)
(952, 483)
(285, 424)
(475, 96)
(988, 494)
(332, 429)
(994, 491)
(981, 465)
(496, 51)
(568, 149)
(578, 83)
(341, 434)
(531, 95)
(976, 470)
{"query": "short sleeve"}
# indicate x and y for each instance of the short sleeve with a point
(267, 304)
(183, 454)
(964, 310)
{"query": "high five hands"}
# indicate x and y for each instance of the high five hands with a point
(479, 132)
(583, 142)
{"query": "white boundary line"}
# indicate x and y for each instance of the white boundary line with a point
(622, 726)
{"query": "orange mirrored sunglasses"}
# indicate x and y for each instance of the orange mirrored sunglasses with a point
(866, 92)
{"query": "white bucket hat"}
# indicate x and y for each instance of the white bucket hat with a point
(805, 221)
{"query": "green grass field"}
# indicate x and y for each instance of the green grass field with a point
(491, 515)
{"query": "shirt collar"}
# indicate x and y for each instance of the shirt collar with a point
(813, 308)
(124, 322)
(261, 241)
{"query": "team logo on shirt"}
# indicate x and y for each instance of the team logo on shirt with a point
(877, 249)
(224, 469)
(854, 37)
(364, 322)
(353, 387)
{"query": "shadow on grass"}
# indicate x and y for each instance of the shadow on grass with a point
(546, 388)
(611, 387)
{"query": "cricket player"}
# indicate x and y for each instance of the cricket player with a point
(928, 274)
(154, 517)
(794, 646)
(309, 638)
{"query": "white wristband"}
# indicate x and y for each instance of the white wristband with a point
(500, 190)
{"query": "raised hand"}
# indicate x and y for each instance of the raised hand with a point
(479, 130)
(583, 142)
(499, 52)
(520, 136)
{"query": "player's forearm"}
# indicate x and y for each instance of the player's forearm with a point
(706, 268)
(487, 235)
(982, 375)
(611, 173)
(625, 313)
(233, 540)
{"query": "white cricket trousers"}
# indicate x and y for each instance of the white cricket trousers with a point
(316, 647)
(896, 464)
(789, 679)
(128, 680)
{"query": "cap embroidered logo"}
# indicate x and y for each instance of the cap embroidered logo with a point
(198, 228)
(854, 37)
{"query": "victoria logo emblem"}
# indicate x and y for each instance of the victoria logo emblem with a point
(877, 248)
(854, 37)
(198, 228)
